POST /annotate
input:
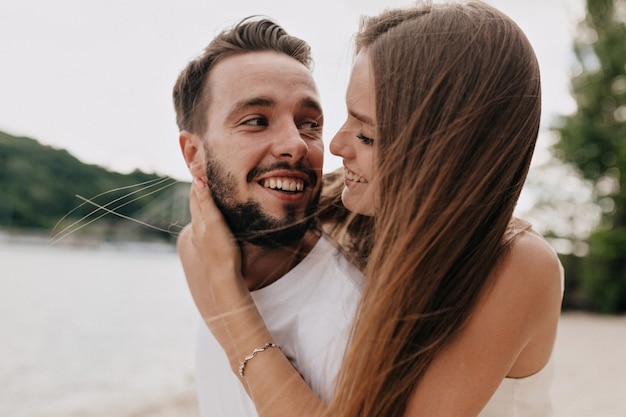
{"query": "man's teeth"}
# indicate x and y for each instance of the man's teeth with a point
(285, 184)
(353, 177)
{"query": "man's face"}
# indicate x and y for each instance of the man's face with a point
(263, 146)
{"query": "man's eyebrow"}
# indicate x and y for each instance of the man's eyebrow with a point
(309, 103)
(362, 118)
(247, 103)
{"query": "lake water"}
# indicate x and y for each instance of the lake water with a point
(110, 331)
(92, 331)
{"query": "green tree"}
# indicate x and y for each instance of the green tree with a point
(44, 189)
(594, 140)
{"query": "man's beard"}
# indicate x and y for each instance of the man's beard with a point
(247, 221)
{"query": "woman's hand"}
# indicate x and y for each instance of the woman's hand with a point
(209, 233)
(211, 260)
(209, 254)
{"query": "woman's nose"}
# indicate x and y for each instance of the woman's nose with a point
(340, 144)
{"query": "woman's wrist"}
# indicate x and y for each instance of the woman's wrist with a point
(252, 355)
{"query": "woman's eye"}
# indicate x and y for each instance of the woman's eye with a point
(365, 140)
(256, 121)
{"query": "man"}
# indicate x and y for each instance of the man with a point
(251, 123)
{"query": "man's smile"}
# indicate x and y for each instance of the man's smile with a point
(284, 183)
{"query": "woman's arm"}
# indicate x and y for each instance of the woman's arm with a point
(510, 334)
(211, 260)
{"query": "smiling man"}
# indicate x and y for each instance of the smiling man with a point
(267, 122)
(250, 125)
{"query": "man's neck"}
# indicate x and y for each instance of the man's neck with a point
(262, 266)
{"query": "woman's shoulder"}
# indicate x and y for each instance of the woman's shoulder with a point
(514, 228)
(530, 262)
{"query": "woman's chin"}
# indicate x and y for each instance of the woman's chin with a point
(358, 204)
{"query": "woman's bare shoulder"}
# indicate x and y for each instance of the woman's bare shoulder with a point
(532, 268)
(532, 252)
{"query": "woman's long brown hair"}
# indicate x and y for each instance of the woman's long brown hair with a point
(458, 108)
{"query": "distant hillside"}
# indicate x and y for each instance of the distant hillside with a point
(39, 186)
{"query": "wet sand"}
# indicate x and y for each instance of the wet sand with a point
(589, 380)
(590, 366)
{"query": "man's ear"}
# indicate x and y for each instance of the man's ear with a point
(193, 151)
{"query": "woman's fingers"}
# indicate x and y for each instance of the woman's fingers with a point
(203, 203)
(210, 231)
(199, 286)
(198, 199)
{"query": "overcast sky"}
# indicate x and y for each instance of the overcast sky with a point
(95, 77)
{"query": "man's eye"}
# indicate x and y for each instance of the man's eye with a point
(310, 125)
(256, 121)
(365, 140)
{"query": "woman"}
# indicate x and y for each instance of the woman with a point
(459, 312)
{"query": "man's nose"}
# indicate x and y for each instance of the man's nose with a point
(290, 144)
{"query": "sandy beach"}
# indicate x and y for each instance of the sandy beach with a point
(590, 366)
(590, 371)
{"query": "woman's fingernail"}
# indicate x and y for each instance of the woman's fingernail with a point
(198, 183)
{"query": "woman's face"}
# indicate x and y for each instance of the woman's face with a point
(354, 141)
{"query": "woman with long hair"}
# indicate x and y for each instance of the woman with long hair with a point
(461, 303)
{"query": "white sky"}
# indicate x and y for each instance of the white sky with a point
(95, 77)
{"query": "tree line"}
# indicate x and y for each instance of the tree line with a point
(47, 189)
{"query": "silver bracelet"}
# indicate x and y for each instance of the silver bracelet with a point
(242, 364)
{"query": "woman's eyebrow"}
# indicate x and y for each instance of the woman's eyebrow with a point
(363, 118)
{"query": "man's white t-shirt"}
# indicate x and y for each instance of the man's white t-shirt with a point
(309, 312)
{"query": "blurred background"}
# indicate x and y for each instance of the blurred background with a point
(95, 315)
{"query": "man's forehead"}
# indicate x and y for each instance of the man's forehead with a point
(261, 74)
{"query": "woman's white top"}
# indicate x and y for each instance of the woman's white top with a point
(522, 397)
(529, 396)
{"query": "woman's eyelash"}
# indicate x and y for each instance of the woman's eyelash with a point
(364, 139)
